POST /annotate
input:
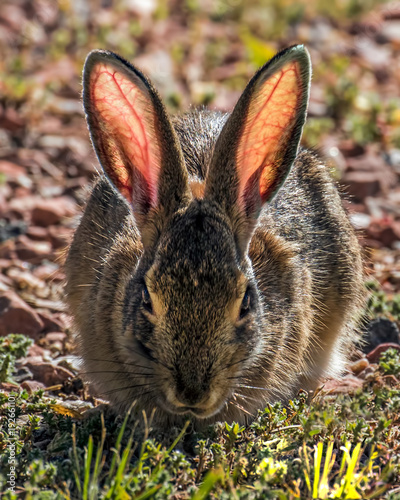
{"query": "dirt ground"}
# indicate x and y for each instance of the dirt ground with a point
(195, 55)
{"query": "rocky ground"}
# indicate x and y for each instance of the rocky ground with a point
(194, 54)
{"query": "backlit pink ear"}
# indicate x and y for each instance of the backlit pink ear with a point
(259, 142)
(268, 128)
(125, 115)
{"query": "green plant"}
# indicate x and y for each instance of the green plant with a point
(390, 362)
(12, 347)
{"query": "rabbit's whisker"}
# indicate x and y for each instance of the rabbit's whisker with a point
(92, 260)
(134, 374)
(254, 387)
(242, 396)
(125, 388)
(240, 407)
(131, 349)
(119, 363)
(243, 360)
(142, 394)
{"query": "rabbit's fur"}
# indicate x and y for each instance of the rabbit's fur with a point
(194, 289)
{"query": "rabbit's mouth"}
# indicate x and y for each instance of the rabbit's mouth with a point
(196, 411)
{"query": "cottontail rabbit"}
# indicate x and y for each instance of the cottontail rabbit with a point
(214, 268)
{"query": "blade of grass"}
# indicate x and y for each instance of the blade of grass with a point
(142, 448)
(88, 461)
(329, 461)
(122, 467)
(119, 440)
(307, 470)
(372, 457)
(168, 452)
(77, 470)
(148, 494)
(345, 457)
(317, 467)
(352, 465)
(99, 462)
(212, 477)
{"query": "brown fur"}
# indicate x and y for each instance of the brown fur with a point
(300, 257)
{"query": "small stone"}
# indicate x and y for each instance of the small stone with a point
(55, 337)
(317, 105)
(385, 230)
(359, 365)
(346, 385)
(32, 251)
(48, 373)
(9, 387)
(32, 385)
(15, 174)
(377, 56)
(60, 236)
(368, 372)
(391, 31)
(23, 374)
(360, 220)
(374, 207)
(37, 233)
(23, 205)
(25, 279)
(56, 347)
(3, 286)
(362, 184)
(71, 362)
(11, 229)
(52, 211)
(49, 271)
(7, 250)
(16, 316)
(393, 157)
(36, 350)
(51, 323)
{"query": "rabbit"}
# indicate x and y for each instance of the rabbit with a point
(214, 269)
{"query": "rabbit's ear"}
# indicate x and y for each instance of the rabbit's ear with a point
(132, 134)
(259, 142)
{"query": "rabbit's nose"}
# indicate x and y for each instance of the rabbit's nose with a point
(190, 396)
(190, 391)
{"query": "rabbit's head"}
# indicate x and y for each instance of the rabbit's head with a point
(194, 319)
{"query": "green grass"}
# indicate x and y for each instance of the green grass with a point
(332, 447)
(379, 304)
(12, 347)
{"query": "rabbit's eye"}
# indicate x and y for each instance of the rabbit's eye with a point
(246, 305)
(146, 300)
